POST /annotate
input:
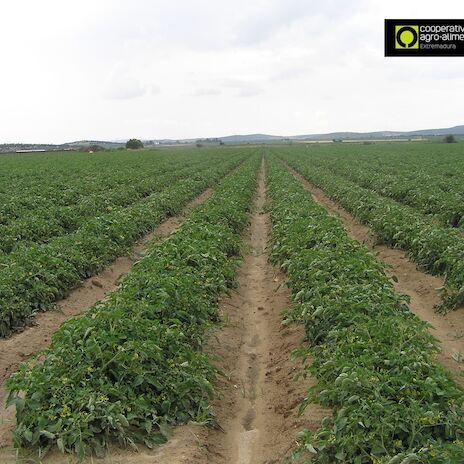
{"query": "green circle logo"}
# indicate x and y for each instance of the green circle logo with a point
(406, 37)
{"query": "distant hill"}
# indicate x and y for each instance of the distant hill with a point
(245, 138)
(456, 130)
(249, 138)
(101, 143)
(252, 138)
(32, 147)
(40, 147)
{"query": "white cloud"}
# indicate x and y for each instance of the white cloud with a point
(206, 92)
(121, 87)
(150, 68)
(242, 87)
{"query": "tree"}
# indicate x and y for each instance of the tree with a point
(449, 139)
(134, 144)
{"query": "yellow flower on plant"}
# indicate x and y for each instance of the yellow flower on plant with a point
(66, 411)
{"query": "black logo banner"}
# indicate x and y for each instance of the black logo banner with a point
(424, 37)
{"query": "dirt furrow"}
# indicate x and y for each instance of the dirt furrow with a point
(37, 336)
(258, 405)
(422, 288)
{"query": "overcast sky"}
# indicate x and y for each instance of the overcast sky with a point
(111, 69)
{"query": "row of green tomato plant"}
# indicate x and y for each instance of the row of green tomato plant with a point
(30, 185)
(33, 277)
(437, 249)
(132, 366)
(412, 189)
(48, 219)
(374, 359)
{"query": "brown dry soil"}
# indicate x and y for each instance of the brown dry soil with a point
(422, 288)
(258, 398)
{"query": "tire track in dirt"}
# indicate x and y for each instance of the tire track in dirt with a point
(37, 336)
(422, 288)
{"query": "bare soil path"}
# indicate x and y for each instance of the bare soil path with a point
(421, 287)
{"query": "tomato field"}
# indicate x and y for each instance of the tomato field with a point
(420, 213)
(64, 218)
(259, 329)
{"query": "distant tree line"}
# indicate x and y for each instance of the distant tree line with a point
(209, 140)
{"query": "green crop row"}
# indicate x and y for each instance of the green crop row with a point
(374, 360)
(414, 190)
(30, 185)
(32, 278)
(47, 220)
(437, 249)
(66, 179)
(132, 365)
(433, 167)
